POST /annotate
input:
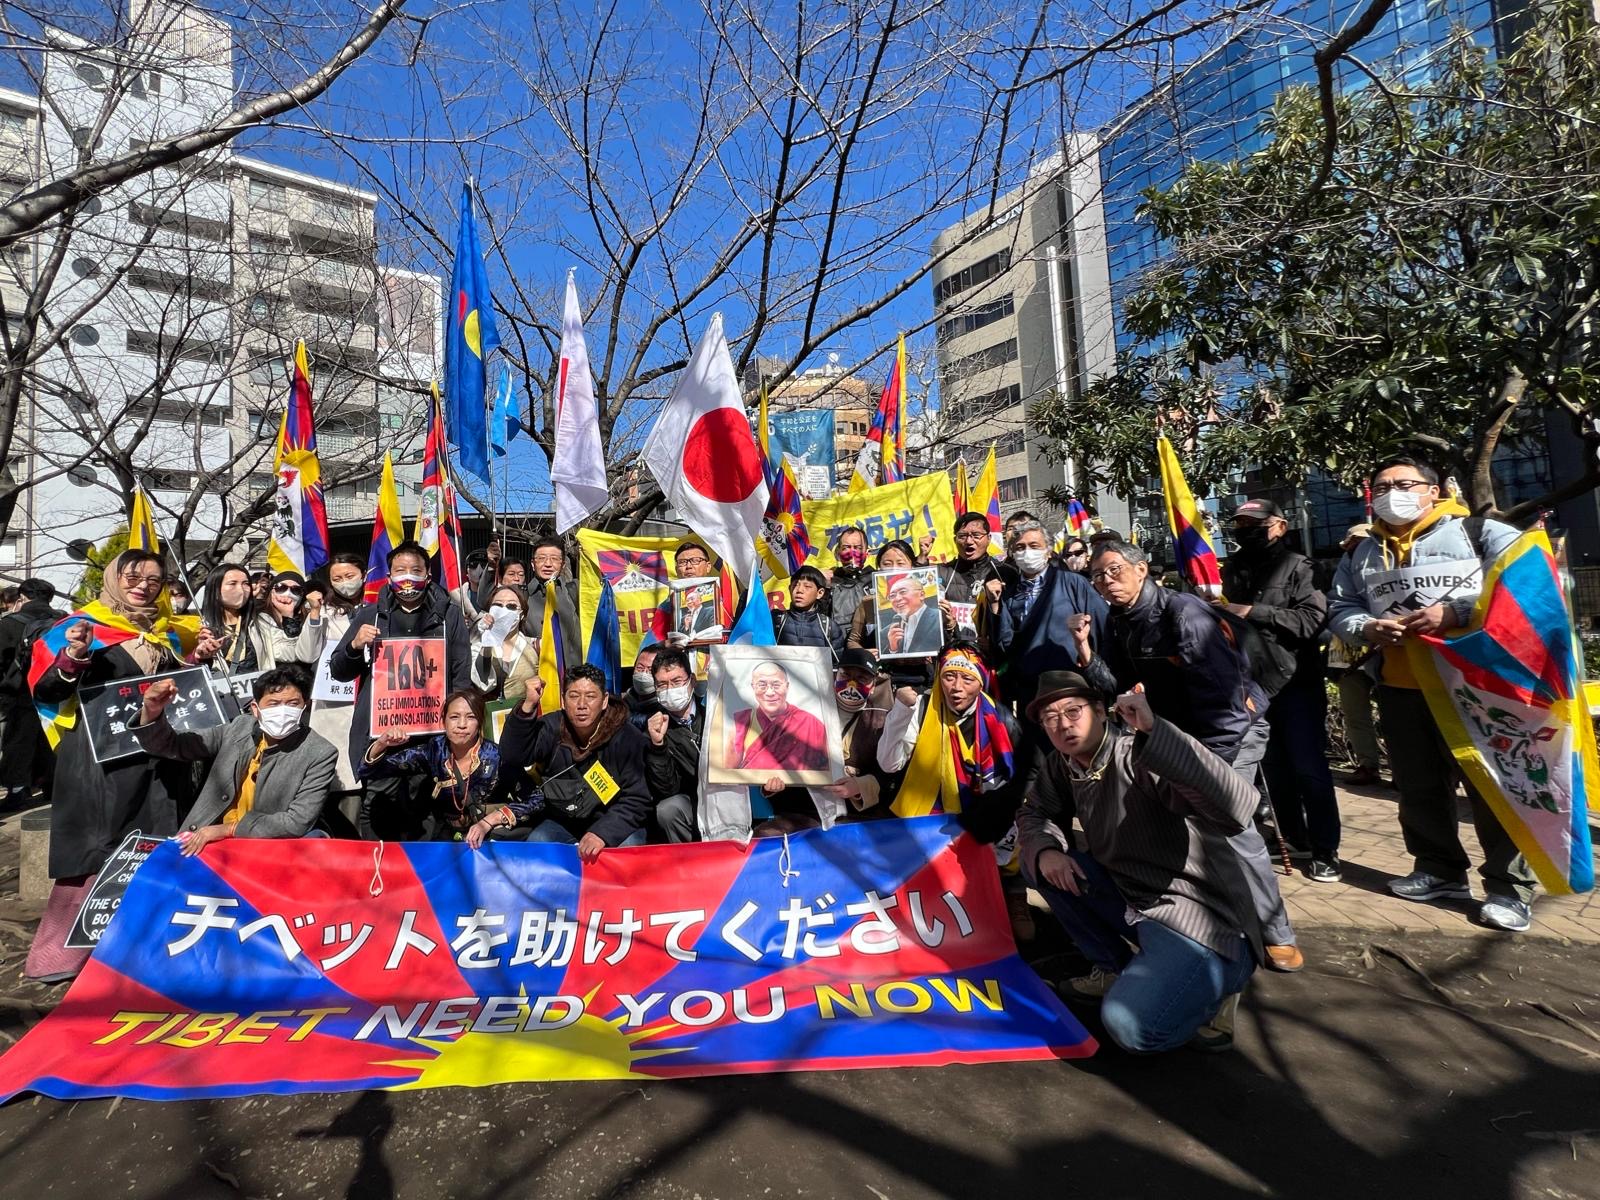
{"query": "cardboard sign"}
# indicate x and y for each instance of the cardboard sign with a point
(1407, 589)
(109, 886)
(110, 711)
(408, 685)
(325, 686)
(965, 617)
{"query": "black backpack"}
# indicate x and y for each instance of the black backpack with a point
(15, 678)
(1269, 664)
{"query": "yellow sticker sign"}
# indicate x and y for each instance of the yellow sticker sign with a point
(600, 780)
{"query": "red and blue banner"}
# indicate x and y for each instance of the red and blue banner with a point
(1507, 692)
(286, 966)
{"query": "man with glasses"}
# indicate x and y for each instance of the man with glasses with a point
(549, 557)
(1173, 645)
(1031, 616)
(1153, 869)
(964, 581)
(1419, 572)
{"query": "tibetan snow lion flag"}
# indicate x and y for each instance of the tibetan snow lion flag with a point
(1191, 544)
(1507, 692)
(287, 966)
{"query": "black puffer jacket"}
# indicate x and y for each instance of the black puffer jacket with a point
(548, 743)
(809, 627)
(1193, 676)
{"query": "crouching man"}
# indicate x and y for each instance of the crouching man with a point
(1156, 870)
(269, 773)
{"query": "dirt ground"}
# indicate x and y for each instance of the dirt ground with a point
(1396, 1065)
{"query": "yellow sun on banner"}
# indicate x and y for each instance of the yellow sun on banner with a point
(589, 1048)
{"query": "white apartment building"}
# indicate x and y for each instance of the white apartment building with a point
(179, 301)
(1022, 306)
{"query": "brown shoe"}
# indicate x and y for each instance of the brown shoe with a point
(1287, 959)
(1022, 927)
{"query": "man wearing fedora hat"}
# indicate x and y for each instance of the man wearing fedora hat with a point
(1154, 868)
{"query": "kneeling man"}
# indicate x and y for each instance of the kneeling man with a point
(1156, 870)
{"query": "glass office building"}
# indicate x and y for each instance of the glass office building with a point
(1214, 111)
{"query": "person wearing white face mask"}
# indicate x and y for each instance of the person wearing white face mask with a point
(270, 774)
(672, 763)
(1419, 573)
(507, 658)
(347, 579)
(408, 606)
(1029, 617)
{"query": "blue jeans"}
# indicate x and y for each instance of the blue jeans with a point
(1164, 993)
(550, 830)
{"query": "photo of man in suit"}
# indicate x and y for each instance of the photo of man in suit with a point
(697, 614)
(916, 626)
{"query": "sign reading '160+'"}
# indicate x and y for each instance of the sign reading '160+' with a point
(408, 682)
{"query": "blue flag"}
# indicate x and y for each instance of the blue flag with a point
(504, 424)
(470, 337)
(754, 626)
(605, 650)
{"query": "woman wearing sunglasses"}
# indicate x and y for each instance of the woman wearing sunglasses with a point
(256, 637)
(295, 615)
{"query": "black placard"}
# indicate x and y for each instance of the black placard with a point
(109, 711)
(108, 889)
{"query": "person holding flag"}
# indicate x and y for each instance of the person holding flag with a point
(470, 337)
(299, 540)
(124, 634)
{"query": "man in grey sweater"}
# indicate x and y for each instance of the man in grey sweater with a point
(1155, 868)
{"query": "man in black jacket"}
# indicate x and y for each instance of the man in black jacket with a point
(409, 606)
(591, 762)
(1179, 650)
(672, 764)
(851, 581)
(25, 757)
(1269, 585)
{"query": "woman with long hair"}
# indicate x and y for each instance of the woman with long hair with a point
(124, 634)
(228, 609)
(473, 798)
(502, 671)
(293, 621)
(346, 577)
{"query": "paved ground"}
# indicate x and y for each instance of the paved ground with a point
(1372, 853)
(1405, 1061)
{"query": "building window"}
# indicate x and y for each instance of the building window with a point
(150, 345)
(1013, 489)
(268, 197)
(970, 277)
(264, 251)
(976, 318)
(269, 372)
(1011, 443)
(983, 360)
(85, 335)
(13, 126)
(989, 403)
(170, 481)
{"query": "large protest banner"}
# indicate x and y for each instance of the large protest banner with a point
(637, 570)
(285, 966)
(908, 510)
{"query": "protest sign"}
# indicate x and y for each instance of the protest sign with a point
(1407, 589)
(408, 685)
(325, 686)
(108, 889)
(906, 612)
(110, 711)
(908, 511)
(696, 608)
(277, 966)
(237, 688)
(806, 436)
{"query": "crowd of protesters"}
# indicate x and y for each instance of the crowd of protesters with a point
(1129, 749)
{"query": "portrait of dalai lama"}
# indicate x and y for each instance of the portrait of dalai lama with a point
(775, 735)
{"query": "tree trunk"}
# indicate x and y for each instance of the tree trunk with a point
(1480, 487)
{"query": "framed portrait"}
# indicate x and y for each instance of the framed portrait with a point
(695, 611)
(770, 713)
(906, 612)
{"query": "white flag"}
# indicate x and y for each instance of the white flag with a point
(579, 466)
(704, 456)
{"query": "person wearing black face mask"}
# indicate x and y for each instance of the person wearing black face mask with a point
(1269, 585)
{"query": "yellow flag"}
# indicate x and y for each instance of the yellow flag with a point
(985, 498)
(142, 524)
(550, 653)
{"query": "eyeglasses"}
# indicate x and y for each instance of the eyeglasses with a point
(1114, 571)
(973, 535)
(1403, 485)
(135, 577)
(1063, 716)
(694, 563)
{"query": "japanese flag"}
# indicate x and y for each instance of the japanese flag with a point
(704, 457)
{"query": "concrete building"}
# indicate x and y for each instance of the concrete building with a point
(181, 295)
(1021, 302)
